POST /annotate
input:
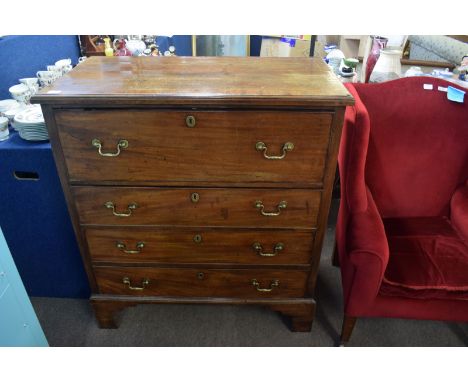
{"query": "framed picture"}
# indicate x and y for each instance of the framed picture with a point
(221, 45)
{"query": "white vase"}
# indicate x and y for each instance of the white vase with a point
(388, 66)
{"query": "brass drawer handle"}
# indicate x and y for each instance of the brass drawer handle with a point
(130, 208)
(258, 248)
(122, 144)
(139, 246)
(273, 284)
(260, 146)
(144, 283)
(259, 205)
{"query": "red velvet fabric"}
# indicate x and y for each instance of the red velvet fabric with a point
(428, 259)
(459, 211)
(404, 154)
(417, 145)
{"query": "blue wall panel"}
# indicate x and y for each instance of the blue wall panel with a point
(33, 214)
(23, 56)
(36, 223)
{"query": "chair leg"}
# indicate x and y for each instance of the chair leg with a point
(347, 329)
(335, 256)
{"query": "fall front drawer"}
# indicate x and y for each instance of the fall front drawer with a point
(285, 208)
(187, 245)
(178, 147)
(200, 282)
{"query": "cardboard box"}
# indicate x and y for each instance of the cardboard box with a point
(284, 47)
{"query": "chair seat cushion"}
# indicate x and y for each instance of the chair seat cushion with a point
(428, 259)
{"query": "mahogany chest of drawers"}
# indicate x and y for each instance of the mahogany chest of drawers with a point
(198, 180)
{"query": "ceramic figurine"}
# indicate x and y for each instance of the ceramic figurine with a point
(121, 49)
(108, 51)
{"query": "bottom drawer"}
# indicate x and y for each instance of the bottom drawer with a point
(199, 282)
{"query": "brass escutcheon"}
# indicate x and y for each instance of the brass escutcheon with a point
(200, 275)
(190, 121)
(195, 197)
(197, 238)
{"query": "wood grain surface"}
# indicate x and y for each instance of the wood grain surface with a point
(220, 149)
(198, 80)
(216, 207)
(201, 282)
(198, 245)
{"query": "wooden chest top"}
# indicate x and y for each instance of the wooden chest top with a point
(242, 81)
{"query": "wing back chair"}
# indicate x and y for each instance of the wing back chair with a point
(402, 230)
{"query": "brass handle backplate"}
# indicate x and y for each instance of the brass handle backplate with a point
(139, 246)
(288, 146)
(281, 206)
(273, 284)
(122, 144)
(258, 248)
(144, 283)
(130, 208)
(190, 121)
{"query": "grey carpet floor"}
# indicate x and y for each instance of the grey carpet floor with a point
(70, 322)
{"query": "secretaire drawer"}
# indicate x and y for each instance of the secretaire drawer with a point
(191, 282)
(151, 147)
(198, 245)
(267, 208)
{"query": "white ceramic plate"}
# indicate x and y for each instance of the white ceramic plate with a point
(28, 137)
(7, 104)
(30, 116)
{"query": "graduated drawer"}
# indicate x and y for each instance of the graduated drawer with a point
(197, 207)
(187, 245)
(220, 149)
(200, 282)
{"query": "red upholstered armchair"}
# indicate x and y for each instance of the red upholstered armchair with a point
(402, 230)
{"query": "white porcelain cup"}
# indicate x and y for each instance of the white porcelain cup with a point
(67, 68)
(54, 68)
(46, 81)
(32, 83)
(4, 132)
(29, 81)
(63, 62)
(57, 70)
(45, 74)
(20, 92)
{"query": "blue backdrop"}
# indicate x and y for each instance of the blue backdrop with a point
(33, 213)
(23, 56)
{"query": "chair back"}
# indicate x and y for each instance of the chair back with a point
(417, 152)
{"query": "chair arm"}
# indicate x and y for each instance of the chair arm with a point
(368, 252)
(459, 211)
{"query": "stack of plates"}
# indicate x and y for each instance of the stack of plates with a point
(30, 124)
